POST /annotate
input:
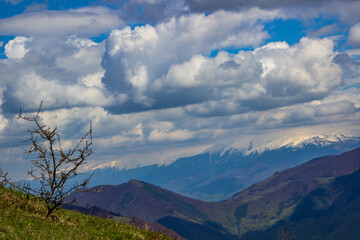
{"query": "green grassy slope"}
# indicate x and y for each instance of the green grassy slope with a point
(22, 217)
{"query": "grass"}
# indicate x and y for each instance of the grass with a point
(23, 217)
(325, 181)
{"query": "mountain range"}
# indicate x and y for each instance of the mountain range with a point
(319, 199)
(223, 170)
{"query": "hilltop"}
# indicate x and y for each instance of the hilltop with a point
(22, 217)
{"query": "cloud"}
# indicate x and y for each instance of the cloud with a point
(133, 139)
(300, 114)
(55, 93)
(93, 80)
(87, 21)
(14, 2)
(136, 58)
(354, 35)
(338, 107)
(36, 7)
(16, 48)
(305, 66)
(167, 65)
(220, 71)
(213, 5)
(148, 1)
(3, 123)
(343, 107)
(177, 135)
(149, 11)
(327, 30)
(271, 76)
(64, 73)
(155, 73)
(166, 132)
(353, 53)
(155, 11)
(350, 67)
(345, 10)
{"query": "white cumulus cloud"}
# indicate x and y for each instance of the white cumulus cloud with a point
(63, 73)
(16, 48)
(136, 58)
(271, 76)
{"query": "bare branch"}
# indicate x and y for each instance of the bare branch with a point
(52, 168)
(286, 234)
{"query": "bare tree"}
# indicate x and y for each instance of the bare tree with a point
(286, 234)
(3, 178)
(53, 168)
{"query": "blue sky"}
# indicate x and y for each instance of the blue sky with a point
(165, 79)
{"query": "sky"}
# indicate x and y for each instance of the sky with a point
(163, 79)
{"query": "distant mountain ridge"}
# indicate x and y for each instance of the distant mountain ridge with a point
(153, 204)
(234, 166)
(329, 212)
(264, 205)
(295, 142)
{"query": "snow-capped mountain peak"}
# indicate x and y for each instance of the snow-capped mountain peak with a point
(260, 145)
(219, 148)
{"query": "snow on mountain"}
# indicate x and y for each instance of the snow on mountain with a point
(257, 145)
(219, 147)
(111, 164)
(224, 169)
(299, 142)
(250, 145)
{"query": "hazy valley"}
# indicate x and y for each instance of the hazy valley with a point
(224, 170)
(318, 190)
